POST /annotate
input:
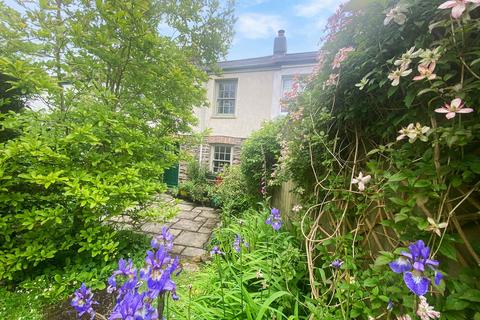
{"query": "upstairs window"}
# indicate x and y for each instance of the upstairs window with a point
(226, 95)
(222, 156)
(291, 85)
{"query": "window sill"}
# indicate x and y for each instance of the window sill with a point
(218, 116)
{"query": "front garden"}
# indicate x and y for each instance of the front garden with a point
(381, 146)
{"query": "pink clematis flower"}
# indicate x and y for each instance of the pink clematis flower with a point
(396, 14)
(397, 74)
(332, 80)
(426, 72)
(426, 311)
(456, 106)
(361, 181)
(457, 6)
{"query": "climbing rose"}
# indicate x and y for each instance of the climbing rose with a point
(397, 74)
(456, 106)
(426, 72)
(457, 6)
(361, 181)
(425, 311)
(396, 14)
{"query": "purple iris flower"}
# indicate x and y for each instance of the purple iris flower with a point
(83, 301)
(130, 307)
(438, 277)
(165, 239)
(412, 264)
(237, 243)
(337, 263)
(135, 301)
(215, 251)
(274, 219)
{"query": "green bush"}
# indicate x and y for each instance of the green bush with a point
(230, 191)
(198, 186)
(260, 153)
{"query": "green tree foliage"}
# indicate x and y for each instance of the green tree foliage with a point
(118, 93)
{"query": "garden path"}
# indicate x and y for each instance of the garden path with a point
(192, 228)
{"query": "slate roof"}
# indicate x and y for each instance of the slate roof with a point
(273, 61)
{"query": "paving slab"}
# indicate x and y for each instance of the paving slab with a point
(192, 239)
(189, 225)
(193, 252)
(209, 214)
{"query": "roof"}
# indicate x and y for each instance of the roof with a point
(273, 61)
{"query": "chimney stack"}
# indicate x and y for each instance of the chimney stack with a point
(280, 43)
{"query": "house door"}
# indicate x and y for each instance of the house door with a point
(170, 176)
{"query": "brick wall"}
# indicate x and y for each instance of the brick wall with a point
(210, 141)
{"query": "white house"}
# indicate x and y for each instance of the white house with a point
(247, 93)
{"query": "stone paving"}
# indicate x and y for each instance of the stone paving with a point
(192, 228)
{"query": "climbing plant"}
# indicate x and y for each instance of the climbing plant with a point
(383, 145)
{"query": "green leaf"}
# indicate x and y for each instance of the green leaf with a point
(268, 302)
(400, 217)
(409, 98)
(453, 303)
(448, 250)
(472, 295)
(399, 176)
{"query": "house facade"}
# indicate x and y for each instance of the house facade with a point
(247, 93)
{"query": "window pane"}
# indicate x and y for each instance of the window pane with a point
(226, 96)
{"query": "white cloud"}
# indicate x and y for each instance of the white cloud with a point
(258, 26)
(312, 8)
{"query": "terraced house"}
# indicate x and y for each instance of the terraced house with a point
(247, 93)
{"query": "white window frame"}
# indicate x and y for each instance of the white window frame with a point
(213, 159)
(218, 99)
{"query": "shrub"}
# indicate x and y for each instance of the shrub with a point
(198, 185)
(230, 191)
(259, 156)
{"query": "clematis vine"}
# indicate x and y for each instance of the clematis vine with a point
(457, 6)
(361, 85)
(414, 132)
(397, 74)
(425, 311)
(435, 227)
(425, 72)
(297, 208)
(341, 56)
(456, 106)
(274, 219)
(332, 80)
(361, 181)
(406, 58)
(413, 265)
(397, 14)
(430, 57)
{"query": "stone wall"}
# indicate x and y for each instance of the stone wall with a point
(206, 147)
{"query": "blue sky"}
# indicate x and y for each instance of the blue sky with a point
(259, 20)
